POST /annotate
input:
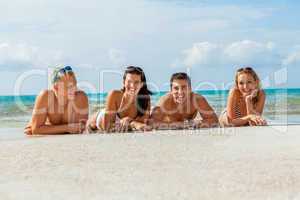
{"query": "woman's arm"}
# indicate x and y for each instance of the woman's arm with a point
(258, 110)
(110, 110)
(253, 116)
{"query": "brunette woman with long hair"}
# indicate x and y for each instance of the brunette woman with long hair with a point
(128, 108)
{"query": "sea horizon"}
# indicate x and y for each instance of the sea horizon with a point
(165, 91)
(282, 105)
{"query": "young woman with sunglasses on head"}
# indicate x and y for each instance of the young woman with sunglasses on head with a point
(245, 101)
(125, 109)
(61, 109)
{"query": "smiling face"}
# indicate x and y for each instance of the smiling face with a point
(132, 84)
(246, 83)
(67, 86)
(180, 90)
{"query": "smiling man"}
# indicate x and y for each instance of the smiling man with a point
(179, 108)
(61, 109)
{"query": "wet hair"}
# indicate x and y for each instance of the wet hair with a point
(143, 97)
(250, 71)
(180, 76)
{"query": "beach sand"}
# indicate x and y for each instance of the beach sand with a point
(232, 163)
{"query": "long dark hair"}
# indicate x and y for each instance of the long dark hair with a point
(143, 97)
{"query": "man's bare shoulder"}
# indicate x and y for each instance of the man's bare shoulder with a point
(46, 92)
(166, 99)
(44, 98)
(198, 97)
(81, 94)
(45, 95)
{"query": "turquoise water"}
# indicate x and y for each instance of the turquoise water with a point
(282, 105)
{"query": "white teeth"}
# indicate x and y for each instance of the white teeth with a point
(180, 99)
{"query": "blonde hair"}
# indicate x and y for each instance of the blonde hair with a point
(247, 70)
(250, 71)
(60, 71)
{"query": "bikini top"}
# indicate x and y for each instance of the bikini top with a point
(237, 109)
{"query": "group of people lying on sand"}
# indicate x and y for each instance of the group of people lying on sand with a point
(65, 109)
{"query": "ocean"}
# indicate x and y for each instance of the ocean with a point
(282, 105)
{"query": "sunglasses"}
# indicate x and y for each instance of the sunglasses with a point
(133, 68)
(245, 69)
(65, 70)
(58, 74)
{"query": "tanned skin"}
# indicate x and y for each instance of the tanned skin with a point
(60, 110)
(124, 104)
(181, 105)
(242, 96)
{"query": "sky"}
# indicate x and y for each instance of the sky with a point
(209, 40)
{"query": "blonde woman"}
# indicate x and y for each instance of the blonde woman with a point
(245, 102)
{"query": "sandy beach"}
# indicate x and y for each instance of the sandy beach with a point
(233, 163)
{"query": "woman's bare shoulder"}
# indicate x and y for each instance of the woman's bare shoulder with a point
(115, 93)
(261, 94)
(115, 96)
(234, 91)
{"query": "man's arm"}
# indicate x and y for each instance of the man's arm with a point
(39, 117)
(81, 110)
(209, 117)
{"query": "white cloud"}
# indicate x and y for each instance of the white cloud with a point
(14, 56)
(247, 52)
(292, 59)
(200, 54)
(101, 25)
(244, 52)
(145, 32)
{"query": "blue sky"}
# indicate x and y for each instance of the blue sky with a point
(208, 39)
